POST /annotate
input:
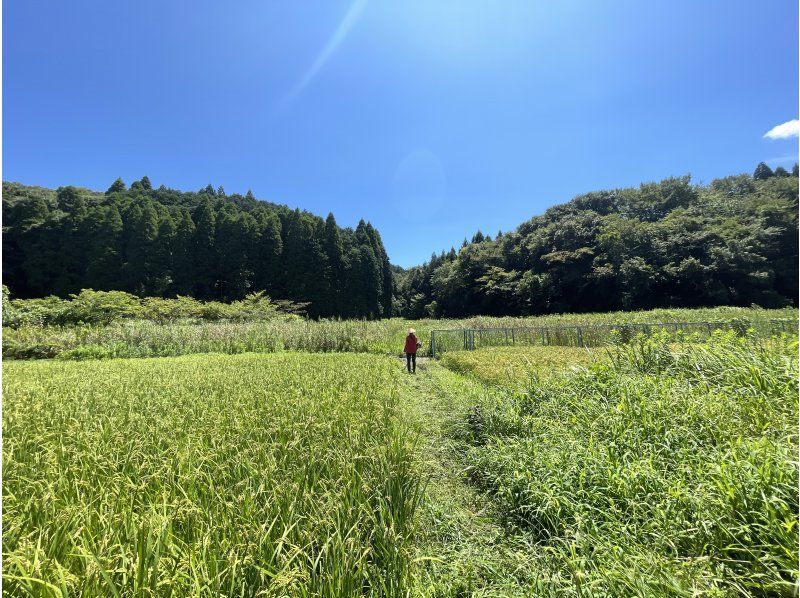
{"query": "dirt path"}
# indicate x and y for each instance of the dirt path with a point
(463, 549)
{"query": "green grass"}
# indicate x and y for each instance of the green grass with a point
(384, 337)
(462, 547)
(274, 475)
(662, 472)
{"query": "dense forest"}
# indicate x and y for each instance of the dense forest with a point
(208, 245)
(666, 244)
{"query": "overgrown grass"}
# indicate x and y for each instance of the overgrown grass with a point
(246, 475)
(149, 339)
(664, 471)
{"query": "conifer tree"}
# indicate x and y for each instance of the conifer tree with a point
(335, 272)
(267, 267)
(205, 283)
(762, 172)
(183, 254)
(117, 186)
(140, 272)
(104, 262)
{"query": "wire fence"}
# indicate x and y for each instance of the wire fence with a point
(468, 339)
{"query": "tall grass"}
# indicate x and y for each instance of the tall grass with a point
(664, 471)
(149, 339)
(247, 475)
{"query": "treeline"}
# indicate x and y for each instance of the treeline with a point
(667, 244)
(207, 245)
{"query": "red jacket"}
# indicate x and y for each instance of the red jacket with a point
(411, 344)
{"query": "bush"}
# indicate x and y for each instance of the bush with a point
(108, 307)
(100, 307)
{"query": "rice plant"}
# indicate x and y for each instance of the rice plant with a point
(517, 366)
(212, 475)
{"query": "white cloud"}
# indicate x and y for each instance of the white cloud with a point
(785, 131)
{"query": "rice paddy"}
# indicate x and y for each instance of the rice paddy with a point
(647, 469)
(216, 475)
(519, 366)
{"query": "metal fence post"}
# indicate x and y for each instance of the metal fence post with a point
(580, 336)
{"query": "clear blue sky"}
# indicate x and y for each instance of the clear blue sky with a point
(430, 119)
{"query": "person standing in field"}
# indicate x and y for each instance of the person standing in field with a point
(412, 344)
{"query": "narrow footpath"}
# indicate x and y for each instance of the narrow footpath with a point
(463, 550)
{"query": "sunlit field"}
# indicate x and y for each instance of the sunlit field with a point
(215, 475)
(519, 366)
(660, 470)
(648, 467)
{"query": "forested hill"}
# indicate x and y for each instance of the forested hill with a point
(667, 244)
(210, 245)
(732, 242)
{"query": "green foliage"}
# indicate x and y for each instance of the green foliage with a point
(282, 475)
(762, 172)
(208, 245)
(664, 471)
(117, 186)
(102, 308)
(667, 244)
(183, 326)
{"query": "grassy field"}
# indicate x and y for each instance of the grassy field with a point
(383, 337)
(646, 469)
(662, 471)
(213, 475)
(519, 366)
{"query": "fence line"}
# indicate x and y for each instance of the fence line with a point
(583, 336)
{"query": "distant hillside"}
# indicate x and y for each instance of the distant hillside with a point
(667, 244)
(207, 244)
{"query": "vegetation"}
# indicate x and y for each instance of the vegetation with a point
(643, 469)
(207, 245)
(109, 307)
(667, 244)
(664, 471)
(651, 466)
(223, 475)
(149, 338)
(519, 366)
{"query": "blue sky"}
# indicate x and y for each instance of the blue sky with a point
(430, 119)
